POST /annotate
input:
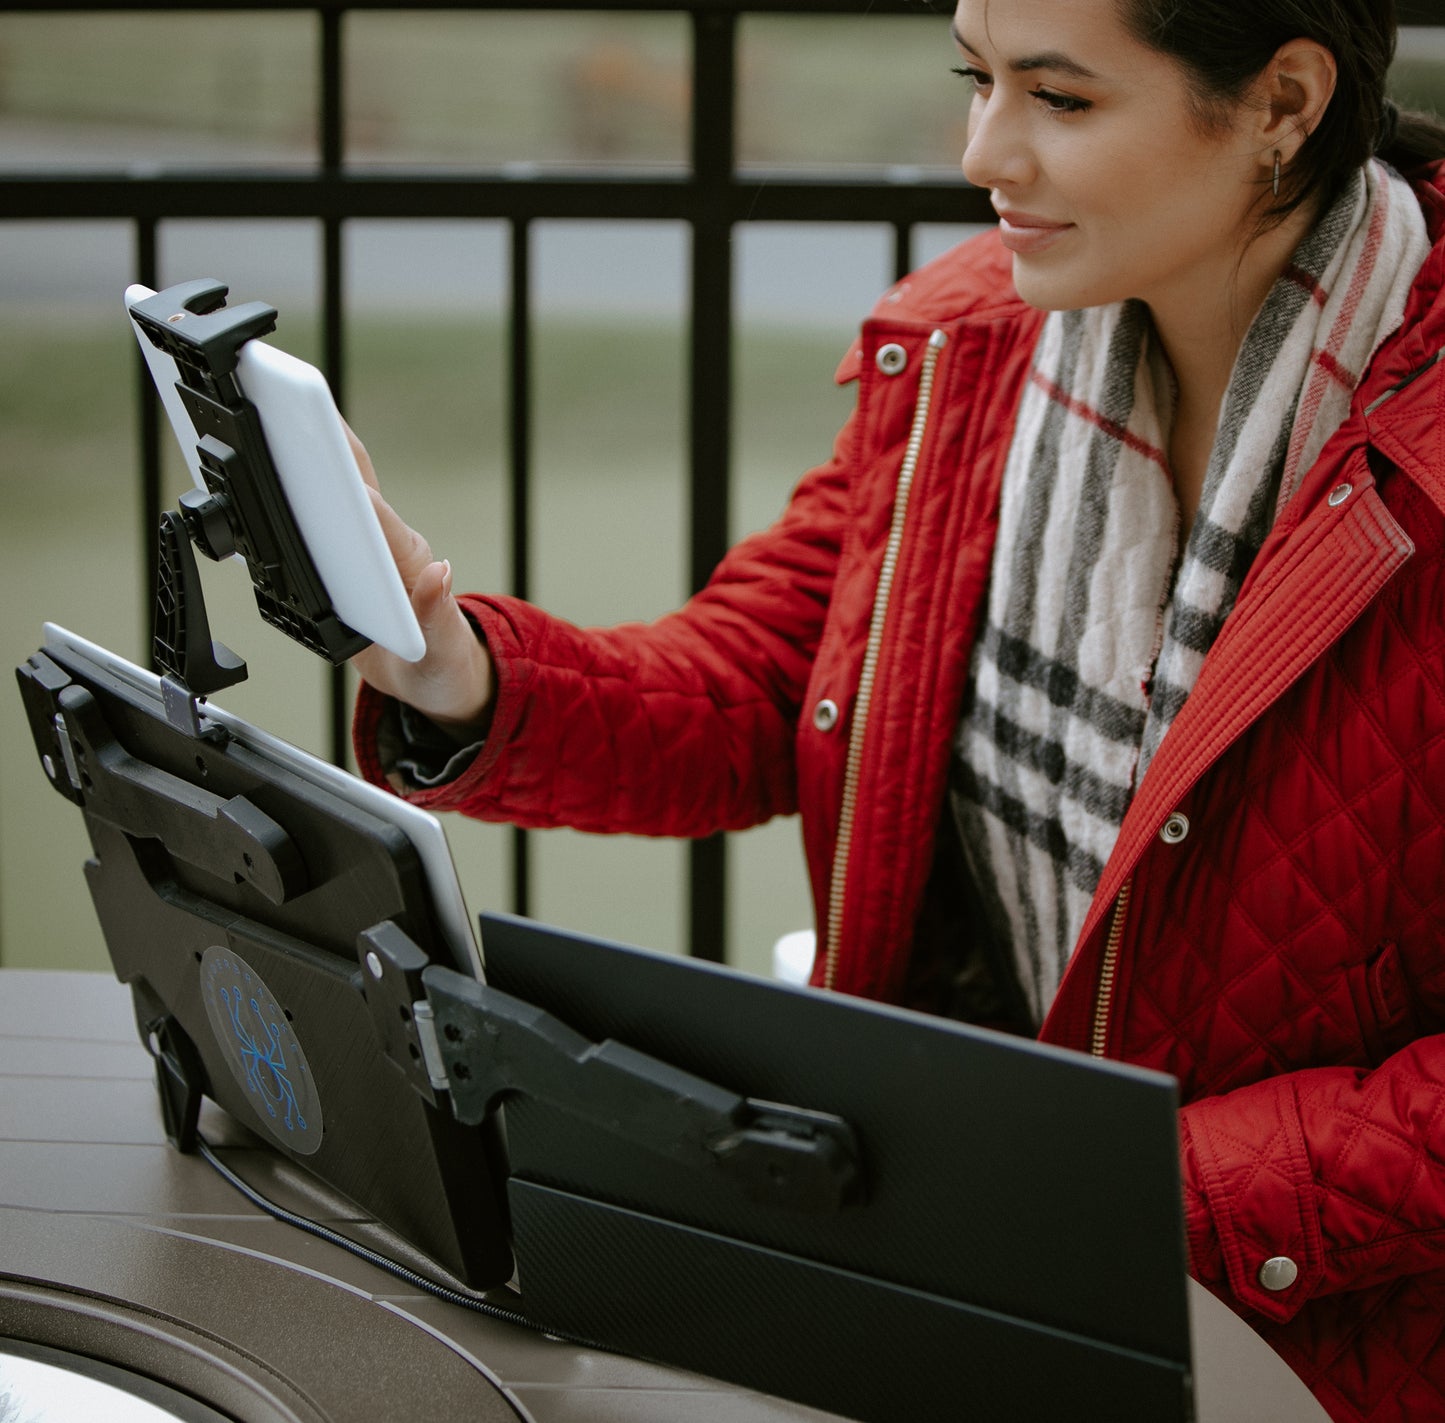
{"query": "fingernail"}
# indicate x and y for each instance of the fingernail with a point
(446, 578)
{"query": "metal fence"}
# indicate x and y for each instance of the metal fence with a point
(710, 197)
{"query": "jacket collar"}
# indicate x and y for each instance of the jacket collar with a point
(1401, 401)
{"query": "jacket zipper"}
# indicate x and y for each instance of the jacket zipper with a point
(1107, 970)
(1410, 379)
(837, 887)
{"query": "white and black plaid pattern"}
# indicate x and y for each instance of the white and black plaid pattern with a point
(1096, 626)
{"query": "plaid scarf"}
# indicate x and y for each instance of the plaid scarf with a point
(1096, 626)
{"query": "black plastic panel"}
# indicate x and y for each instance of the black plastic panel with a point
(1020, 1181)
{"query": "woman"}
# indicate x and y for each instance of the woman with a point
(1116, 624)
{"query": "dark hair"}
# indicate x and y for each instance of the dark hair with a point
(1224, 44)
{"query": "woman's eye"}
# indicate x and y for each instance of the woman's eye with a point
(977, 77)
(1060, 103)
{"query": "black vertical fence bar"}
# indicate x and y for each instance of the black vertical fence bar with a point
(149, 431)
(710, 392)
(902, 250)
(334, 344)
(333, 307)
(330, 120)
(519, 442)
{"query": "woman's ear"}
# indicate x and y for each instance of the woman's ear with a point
(1297, 86)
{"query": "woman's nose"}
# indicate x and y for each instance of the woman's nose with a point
(995, 154)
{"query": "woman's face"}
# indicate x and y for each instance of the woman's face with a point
(1106, 185)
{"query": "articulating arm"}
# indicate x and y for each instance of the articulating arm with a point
(448, 1032)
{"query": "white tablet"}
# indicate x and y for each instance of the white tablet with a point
(319, 477)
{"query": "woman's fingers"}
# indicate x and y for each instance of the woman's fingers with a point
(363, 460)
(409, 549)
(452, 684)
(453, 681)
(432, 602)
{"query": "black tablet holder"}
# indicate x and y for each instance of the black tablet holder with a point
(497, 1046)
(243, 510)
(202, 842)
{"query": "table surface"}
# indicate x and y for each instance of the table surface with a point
(96, 1206)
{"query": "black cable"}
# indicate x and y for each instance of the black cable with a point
(466, 1298)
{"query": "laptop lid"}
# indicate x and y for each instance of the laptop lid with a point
(1018, 1254)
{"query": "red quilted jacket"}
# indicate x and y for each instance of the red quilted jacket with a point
(1279, 950)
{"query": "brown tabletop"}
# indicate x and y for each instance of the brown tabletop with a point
(116, 1246)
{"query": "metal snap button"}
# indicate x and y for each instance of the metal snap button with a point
(1278, 1273)
(892, 359)
(1339, 494)
(825, 714)
(1175, 829)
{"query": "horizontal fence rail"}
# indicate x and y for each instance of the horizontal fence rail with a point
(711, 196)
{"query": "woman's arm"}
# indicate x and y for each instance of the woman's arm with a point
(683, 726)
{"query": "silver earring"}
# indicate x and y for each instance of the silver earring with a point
(1274, 182)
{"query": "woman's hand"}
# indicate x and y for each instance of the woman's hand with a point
(453, 683)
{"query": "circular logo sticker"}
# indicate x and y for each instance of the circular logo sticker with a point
(261, 1050)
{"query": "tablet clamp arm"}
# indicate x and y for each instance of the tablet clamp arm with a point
(229, 838)
(449, 1033)
(191, 665)
(242, 511)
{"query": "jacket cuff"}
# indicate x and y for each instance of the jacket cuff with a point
(366, 726)
(1250, 1199)
(1206, 1258)
(392, 746)
(418, 752)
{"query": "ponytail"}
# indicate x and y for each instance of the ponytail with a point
(1410, 140)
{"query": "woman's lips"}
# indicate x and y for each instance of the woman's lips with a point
(1021, 232)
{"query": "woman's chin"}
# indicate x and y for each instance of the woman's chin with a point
(1047, 290)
